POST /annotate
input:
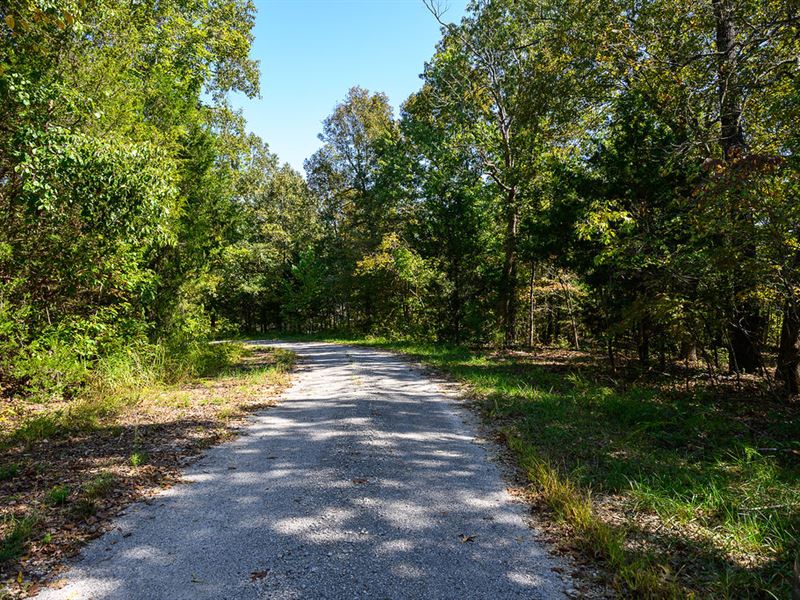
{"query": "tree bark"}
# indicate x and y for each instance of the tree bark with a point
(508, 280)
(746, 322)
(572, 320)
(796, 579)
(531, 305)
(643, 343)
(788, 370)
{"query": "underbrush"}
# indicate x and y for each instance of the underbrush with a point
(680, 491)
(113, 383)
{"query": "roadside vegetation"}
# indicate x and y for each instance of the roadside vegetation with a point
(126, 183)
(67, 467)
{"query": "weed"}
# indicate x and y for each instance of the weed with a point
(228, 412)
(84, 508)
(99, 486)
(8, 472)
(19, 531)
(58, 495)
(138, 458)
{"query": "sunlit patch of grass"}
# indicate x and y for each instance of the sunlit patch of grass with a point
(129, 381)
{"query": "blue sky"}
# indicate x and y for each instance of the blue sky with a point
(313, 51)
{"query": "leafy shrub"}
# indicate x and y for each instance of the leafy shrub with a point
(51, 369)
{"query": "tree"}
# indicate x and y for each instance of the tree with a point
(344, 175)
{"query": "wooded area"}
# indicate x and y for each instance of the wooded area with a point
(614, 176)
(607, 173)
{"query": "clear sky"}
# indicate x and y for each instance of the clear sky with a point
(313, 51)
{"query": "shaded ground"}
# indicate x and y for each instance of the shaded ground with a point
(60, 487)
(366, 481)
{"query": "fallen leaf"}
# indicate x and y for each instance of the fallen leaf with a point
(360, 480)
(256, 575)
(465, 538)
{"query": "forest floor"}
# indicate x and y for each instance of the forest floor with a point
(67, 468)
(679, 483)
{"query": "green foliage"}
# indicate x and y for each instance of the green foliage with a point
(119, 185)
(99, 487)
(615, 172)
(138, 459)
(8, 472)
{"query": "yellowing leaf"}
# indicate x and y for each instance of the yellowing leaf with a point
(10, 22)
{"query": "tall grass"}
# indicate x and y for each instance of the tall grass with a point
(116, 381)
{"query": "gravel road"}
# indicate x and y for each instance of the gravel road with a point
(367, 481)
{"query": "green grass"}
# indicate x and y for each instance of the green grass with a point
(724, 484)
(117, 382)
(99, 486)
(57, 495)
(137, 459)
(8, 472)
(18, 532)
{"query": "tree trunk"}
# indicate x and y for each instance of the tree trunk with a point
(788, 369)
(508, 281)
(643, 343)
(549, 327)
(531, 305)
(746, 323)
(573, 322)
(557, 325)
(611, 354)
(689, 351)
(796, 579)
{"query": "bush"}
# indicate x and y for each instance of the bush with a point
(51, 369)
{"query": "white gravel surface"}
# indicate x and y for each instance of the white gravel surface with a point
(364, 482)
